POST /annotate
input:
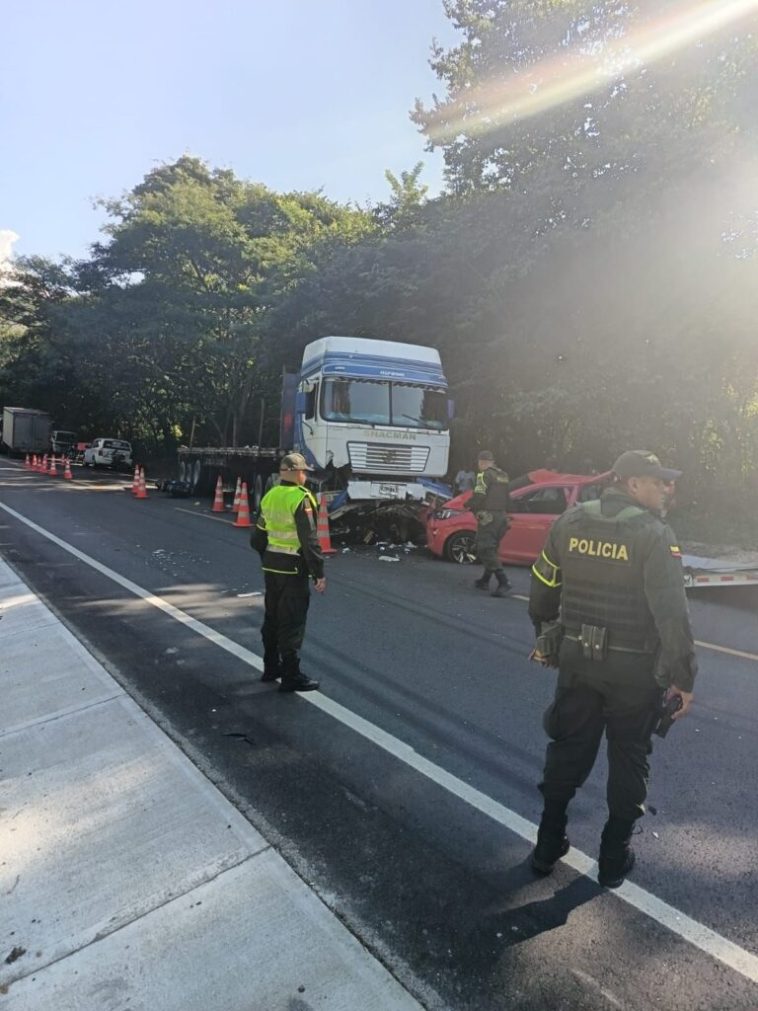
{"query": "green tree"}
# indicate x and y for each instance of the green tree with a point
(204, 254)
(551, 96)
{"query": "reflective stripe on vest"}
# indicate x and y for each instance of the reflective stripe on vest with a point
(278, 508)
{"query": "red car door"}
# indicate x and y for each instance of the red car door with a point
(533, 512)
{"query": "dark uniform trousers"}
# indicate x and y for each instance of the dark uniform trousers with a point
(287, 600)
(582, 709)
(488, 537)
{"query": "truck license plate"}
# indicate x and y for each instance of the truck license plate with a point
(389, 490)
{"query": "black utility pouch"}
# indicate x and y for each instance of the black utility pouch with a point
(594, 642)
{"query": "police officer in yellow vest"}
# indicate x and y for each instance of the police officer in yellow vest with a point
(489, 504)
(608, 605)
(285, 535)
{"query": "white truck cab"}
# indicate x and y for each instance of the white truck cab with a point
(376, 410)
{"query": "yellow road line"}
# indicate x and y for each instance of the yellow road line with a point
(743, 654)
(727, 649)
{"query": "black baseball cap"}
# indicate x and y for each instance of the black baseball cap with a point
(643, 463)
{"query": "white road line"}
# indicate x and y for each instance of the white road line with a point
(695, 933)
(204, 516)
(163, 605)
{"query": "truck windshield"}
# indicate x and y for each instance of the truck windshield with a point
(380, 403)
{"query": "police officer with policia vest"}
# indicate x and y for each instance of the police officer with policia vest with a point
(489, 504)
(285, 536)
(609, 609)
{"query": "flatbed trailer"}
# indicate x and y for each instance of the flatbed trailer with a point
(200, 467)
(717, 572)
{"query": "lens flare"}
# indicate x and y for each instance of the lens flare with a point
(574, 74)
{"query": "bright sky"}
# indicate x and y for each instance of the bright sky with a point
(297, 94)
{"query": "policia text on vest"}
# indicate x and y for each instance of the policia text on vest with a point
(285, 535)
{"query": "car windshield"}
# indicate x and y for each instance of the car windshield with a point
(401, 405)
(115, 444)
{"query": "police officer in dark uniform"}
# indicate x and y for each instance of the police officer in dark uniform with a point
(285, 536)
(608, 605)
(489, 504)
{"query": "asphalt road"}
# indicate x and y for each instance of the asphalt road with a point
(410, 825)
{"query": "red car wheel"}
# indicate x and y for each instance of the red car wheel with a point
(461, 548)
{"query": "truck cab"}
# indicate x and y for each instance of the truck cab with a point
(62, 441)
(375, 412)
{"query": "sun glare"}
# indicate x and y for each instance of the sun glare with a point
(579, 72)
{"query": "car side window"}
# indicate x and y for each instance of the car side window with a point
(589, 492)
(549, 500)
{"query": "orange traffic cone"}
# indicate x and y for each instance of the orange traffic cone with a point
(135, 481)
(141, 490)
(27, 462)
(43, 468)
(218, 501)
(35, 462)
(243, 516)
(67, 472)
(237, 493)
(53, 472)
(324, 537)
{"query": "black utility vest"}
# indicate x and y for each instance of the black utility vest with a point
(496, 499)
(601, 559)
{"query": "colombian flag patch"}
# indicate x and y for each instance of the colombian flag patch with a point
(675, 550)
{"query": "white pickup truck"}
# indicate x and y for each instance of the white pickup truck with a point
(113, 453)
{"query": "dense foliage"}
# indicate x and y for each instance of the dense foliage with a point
(590, 276)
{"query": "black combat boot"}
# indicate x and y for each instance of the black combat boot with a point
(272, 666)
(483, 583)
(503, 587)
(552, 841)
(293, 679)
(616, 855)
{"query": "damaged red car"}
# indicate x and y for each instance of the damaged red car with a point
(536, 500)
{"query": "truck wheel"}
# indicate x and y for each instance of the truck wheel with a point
(461, 548)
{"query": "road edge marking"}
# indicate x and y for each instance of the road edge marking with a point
(692, 931)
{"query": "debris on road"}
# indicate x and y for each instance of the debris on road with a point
(15, 954)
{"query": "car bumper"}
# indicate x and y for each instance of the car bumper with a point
(435, 538)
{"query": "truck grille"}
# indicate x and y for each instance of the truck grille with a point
(378, 458)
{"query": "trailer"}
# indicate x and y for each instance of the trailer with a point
(701, 573)
(200, 467)
(371, 417)
(25, 430)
